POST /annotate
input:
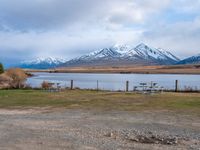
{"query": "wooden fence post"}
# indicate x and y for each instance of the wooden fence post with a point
(97, 85)
(72, 84)
(127, 86)
(176, 86)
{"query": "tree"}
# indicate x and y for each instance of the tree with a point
(18, 77)
(1, 68)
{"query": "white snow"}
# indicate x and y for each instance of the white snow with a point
(116, 51)
(168, 54)
(125, 51)
(48, 60)
(121, 49)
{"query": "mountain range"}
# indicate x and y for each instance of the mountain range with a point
(118, 55)
(190, 60)
(41, 63)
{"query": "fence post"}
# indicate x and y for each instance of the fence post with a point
(72, 84)
(127, 86)
(97, 85)
(176, 86)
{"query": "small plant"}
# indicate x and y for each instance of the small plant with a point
(188, 89)
(46, 85)
(77, 88)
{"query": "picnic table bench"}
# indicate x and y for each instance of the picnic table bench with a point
(146, 87)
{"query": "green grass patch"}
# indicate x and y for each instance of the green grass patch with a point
(84, 99)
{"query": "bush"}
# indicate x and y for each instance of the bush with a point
(18, 77)
(46, 85)
(4, 81)
(1, 68)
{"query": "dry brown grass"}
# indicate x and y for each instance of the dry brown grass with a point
(177, 69)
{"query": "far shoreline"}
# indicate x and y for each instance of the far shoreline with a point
(176, 69)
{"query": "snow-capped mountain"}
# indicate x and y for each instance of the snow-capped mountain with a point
(121, 49)
(190, 60)
(123, 55)
(117, 55)
(147, 52)
(42, 63)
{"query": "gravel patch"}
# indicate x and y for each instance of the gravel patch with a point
(97, 130)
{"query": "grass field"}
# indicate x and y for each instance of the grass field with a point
(82, 99)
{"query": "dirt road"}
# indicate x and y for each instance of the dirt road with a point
(40, 129)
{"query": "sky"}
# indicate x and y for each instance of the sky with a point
(70, 28)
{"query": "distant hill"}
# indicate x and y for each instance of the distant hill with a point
(41, 63)
(119, 55)
(190, 60)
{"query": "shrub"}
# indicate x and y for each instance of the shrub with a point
(46, 85)
(18, 77)
(4, 81)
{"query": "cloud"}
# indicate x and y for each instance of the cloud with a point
(69, 28)
(187, 6)
(45, 14)
(56, 27)
(181, 38)
(58, 44)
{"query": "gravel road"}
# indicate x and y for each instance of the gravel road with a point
(39, 129)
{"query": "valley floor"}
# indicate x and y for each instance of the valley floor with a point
(91, 120)
(176, 69)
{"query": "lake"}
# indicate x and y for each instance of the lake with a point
(114, 81)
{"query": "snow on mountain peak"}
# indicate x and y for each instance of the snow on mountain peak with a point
(42, 63)
(114, 51)
(140, 53)
(146, 52)
(49, 60)
(43, 60)
(191, 60)
(168, 54)
(155, 53)
(121, 49)
(102, 53)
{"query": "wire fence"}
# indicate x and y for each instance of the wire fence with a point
(126, 86)
(118, 82)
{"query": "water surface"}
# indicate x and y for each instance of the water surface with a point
(114, 81)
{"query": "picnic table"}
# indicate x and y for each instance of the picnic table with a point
(54, 87)
(146, 87)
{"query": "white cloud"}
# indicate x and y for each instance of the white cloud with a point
(181, 38)
(73, 27)
(64, 43)
(44, 14)
(54, 27)
(188, 6)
